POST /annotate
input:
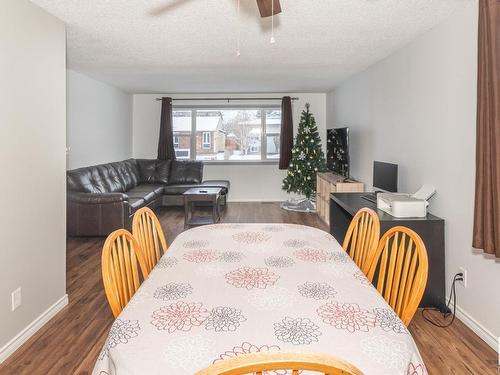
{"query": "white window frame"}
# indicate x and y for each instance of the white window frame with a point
(184, 149)
(177, 136)
(263, 139)
(204, 144)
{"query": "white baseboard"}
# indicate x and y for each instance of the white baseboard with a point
(478, 328)
(32, 328)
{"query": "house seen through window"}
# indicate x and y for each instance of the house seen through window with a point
(232, 134)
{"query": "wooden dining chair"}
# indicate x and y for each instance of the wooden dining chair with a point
(259, 363)
(400, 269)
(361, 239)
(146, 228)
(121, 259)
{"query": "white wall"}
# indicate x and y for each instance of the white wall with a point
(32, 163)
(256, 182)
(417, 108)
(99, 122)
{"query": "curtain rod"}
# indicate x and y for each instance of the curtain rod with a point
(227, 99)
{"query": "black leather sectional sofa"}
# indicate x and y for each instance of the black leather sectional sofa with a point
(104, 197)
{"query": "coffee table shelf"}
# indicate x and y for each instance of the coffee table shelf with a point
(201, 195)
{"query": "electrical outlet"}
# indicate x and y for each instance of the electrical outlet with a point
(464, 277)
(16, 299)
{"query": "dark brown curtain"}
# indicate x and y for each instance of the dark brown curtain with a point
(486, 234)
(286, 137)
(166, 140)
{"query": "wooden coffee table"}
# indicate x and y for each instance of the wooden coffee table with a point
(201, 195)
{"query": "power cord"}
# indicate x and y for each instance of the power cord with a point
(458, 277)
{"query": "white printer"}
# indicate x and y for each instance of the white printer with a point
(405, 205)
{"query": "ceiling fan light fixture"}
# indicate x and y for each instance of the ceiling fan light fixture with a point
(238, 53)
(272, 41)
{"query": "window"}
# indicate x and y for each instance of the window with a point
(182, 153)
(182, 124)
(206, 140)
(236, 134)
(273, 128)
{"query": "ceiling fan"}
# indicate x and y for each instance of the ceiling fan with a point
(267, 8)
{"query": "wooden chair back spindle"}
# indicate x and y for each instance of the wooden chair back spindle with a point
(400, 270)
(121, 259)
(362, 237)
(146, 228)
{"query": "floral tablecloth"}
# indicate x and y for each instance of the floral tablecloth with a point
(228, 289)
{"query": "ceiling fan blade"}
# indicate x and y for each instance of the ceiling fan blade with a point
(266, 7)
(167, 7)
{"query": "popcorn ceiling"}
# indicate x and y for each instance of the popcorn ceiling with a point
(192, 46)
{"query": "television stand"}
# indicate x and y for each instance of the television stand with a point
(328, 182)
(370, 197)
(430, 228)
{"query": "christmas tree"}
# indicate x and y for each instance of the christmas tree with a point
(307, 158)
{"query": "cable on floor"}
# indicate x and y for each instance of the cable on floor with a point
(453, 293)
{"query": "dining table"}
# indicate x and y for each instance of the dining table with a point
(224, 290)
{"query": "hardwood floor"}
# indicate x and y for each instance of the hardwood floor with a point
(71, 342)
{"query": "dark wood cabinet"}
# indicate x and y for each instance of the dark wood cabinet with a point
(343, 206)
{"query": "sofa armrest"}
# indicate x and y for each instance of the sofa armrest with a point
(100, 198)
(90, 214)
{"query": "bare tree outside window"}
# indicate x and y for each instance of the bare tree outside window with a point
(243, 130)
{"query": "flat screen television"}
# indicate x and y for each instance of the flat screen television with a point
(385, 176)
(337, 151)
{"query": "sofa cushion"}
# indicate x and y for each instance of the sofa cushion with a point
(90, 180)
(128, 172)
(111, 177)
(147, 194)
(104, 178)
(186, 172)
(157, 188)
(154, 171)
(96, 198)
(135, 204)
